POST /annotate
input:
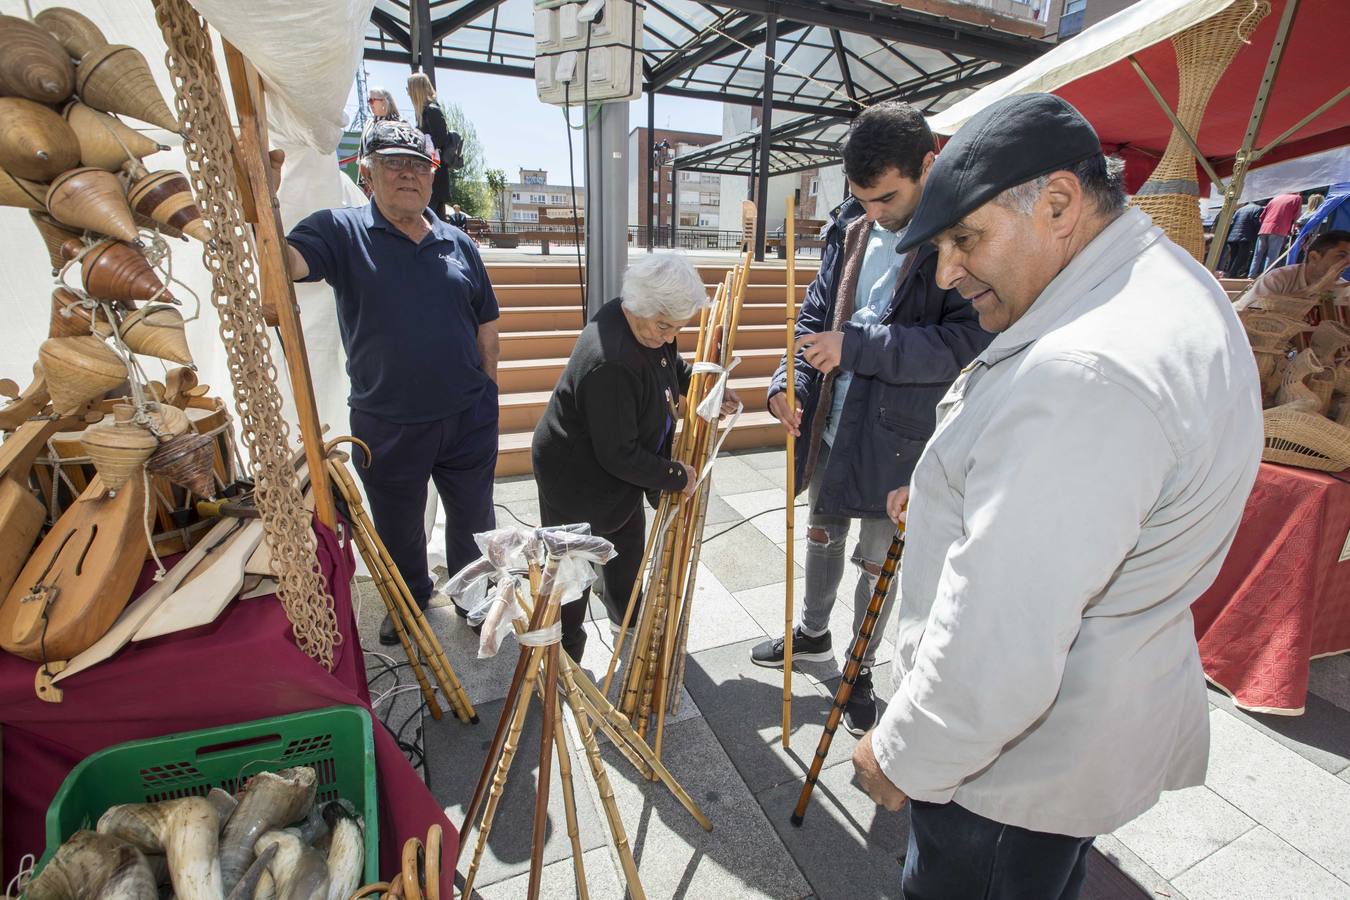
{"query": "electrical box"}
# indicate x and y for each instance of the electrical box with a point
(587, 51)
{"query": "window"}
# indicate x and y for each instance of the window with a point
(667, 197)
(708, 220)
(559, 198)
(656, 198)
(814, 189)
(1074, 6)
(689, 197)
(538, 198)
(524, 215)
(515, 195)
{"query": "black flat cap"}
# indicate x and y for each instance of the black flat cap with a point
(1005, 144)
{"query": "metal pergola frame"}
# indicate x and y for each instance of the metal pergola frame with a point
(825, 60)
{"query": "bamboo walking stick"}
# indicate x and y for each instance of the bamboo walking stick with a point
(791, 508)
(546, 736)
(569, 798)
(851, 669)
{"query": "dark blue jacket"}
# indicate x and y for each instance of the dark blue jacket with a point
(901, 369)
(1246, 222)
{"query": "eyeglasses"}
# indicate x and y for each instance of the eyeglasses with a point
(405, 164)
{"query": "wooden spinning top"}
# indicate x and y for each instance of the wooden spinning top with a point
(72, 30)
(112, 270)
(166, 198)
(118, 451)
(79, 369)
(94, 200)
(54, 235)
(32, 63)
(21, 192)
(104, 140)
(157, 331)
(187, 462)
(35, 143)
(116, 78)
(70, 318)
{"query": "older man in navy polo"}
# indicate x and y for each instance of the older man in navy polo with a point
(419, 323)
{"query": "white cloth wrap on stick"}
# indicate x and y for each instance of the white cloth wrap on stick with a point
(711, 406)
(507, 554)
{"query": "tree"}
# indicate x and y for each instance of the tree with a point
(496, 183)
(468, 186)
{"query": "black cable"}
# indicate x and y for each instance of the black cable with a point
(514, 516)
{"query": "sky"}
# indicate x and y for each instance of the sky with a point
(516, 130)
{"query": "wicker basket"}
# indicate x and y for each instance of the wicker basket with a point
(1271, 331)
(1296, 437)
(1284, 305)
(1296, 388)
(1330, 339)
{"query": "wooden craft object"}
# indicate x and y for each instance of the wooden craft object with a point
(21, 192)
(119, 449)
(21, 513)
(111, 270)
(27, 404)
(117, 79)
(140, 609)
(35, 142)
(165, 197)
(32, 63)
(92, 199)
(79, 578)
(105, 142)
(157, 331)
(187, 462)
(54, 236)
(212, 585)
(71, 319)
(79, 369)
(73, 31)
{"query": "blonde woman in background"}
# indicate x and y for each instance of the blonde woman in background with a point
(431, 120)
(382, 108)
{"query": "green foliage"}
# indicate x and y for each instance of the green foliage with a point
(468, 186)
(495, 179)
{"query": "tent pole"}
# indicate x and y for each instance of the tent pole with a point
(765, 131)
(1244, 155)
(1176, 123)
(1341, 95)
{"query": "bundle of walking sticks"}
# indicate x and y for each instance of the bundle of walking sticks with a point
(653, 672)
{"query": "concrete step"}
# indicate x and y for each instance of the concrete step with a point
(523, 375)
(754, 429)
(548, 344)
(569, 295)
(521, 411)
(556, 318)
(565, 272)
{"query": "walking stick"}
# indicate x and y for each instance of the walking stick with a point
(851, 669)
(791, 308)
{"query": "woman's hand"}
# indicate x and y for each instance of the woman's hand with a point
(792, 421)
(690, 480)
(730, 400)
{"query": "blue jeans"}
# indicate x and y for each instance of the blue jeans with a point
(1268, 249)
(955, 854)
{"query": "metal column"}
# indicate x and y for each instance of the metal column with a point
(674, 204)
(423, 49)
(651, 168)
(765, 127)
(606, 151)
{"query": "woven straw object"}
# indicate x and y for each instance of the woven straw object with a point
(1287, 305)
(1296, 388)
(1330, 339)
(1271, 331)
(1297, 437)
(1204, 52)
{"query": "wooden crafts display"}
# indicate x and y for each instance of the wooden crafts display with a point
(35, 142)
(104, 140)
(72, 30)
(32, 63)
(94, 200)
(653, 672)
(117, 79)
(112, 270)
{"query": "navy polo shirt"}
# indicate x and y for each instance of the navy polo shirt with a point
(408, 313)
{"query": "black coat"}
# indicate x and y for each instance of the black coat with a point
(605, 437)
(901, 368)
(435, 127)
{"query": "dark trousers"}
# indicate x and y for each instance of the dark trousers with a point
(955, 854)
(617, 575)
(1238, 258)
(459, 454)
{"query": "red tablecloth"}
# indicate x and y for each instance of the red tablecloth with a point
(244, 666)
(1281, 598)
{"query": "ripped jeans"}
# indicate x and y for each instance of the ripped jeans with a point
(825, 567)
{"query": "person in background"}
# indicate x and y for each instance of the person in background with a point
(878, 343)
(382, 109)
(418, 320)
(431, 119)
(1314, 203)
(1084, 485)
(605, 438)
(457, 218)
(1242, 239)
(1276, 223)
(1319, 275)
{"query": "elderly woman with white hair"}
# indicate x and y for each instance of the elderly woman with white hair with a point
(605, 438)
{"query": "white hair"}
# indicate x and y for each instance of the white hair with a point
(1102, 179)
(663, 284)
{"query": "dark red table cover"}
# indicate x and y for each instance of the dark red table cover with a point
(1282, 597)
(243, 666)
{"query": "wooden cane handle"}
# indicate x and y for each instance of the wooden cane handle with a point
(433, 863)
(413, 860)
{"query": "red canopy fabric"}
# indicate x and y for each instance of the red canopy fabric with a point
(1129, 121)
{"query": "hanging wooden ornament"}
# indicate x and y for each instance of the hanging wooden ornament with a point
(35, 143)
(118, 451)
(79, 369)
(21, 192)
(32, 63)
(70, 318)
(187, 461)
(94, 200)
(54, 235)
(116, 78)
(112, 270)
(104, 140)
(157, 331)
(165, 197)
(73, 31)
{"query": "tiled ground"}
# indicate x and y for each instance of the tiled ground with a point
(1272, 821)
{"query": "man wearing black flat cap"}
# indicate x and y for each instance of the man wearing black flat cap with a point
(1086, 478)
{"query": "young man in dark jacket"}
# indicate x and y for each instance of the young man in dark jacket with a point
(878, 344)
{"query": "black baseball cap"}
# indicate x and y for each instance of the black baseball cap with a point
(1007, 143)
(394, 138)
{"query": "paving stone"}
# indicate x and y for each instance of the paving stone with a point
(732, 475)
(525, 511)
(599, 651)
(1302, 804)
(719, 513)
(763, 459)
(741, 857)
(1107, 853)
(716, 618)
(744, 558)
(1260, 866)
(1321, 735)
(743, 703)
(455, 758)
(765, 605)
(559, 880)
(1329, 678)
(1182, 829)
(847, 847)
(516, 487)
(483, 679)
(770, 516)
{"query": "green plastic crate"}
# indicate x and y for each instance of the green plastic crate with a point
(335, 741)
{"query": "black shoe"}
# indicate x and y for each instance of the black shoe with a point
(804, 648)
(860, 713)
(388, 634)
